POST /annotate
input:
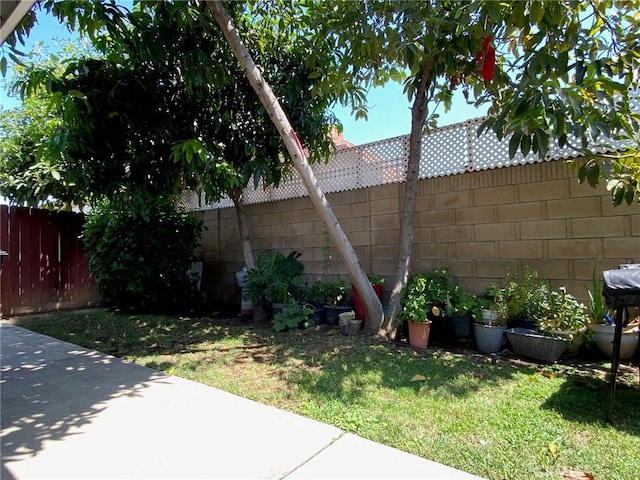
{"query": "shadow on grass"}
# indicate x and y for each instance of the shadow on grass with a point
(347, 373)
(330, 366)
(322, 362)
(584, 400)
(319, 360)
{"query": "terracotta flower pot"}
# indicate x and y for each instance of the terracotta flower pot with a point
(419, 334)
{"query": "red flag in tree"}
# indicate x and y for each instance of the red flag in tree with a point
(486, 59)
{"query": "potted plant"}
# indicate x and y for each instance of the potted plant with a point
(434, 286)
(602, 326)
(527, 302)
(338, 297)
(490, 325)
(276, 279)
(377, 283)
(564, 317)
(460, 307)
(318, 295)
(524, 297)
(493, 308)
(418, 309)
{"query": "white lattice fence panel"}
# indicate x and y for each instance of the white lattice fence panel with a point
(189, 201)
(445, 151)
(256, 195)
(384, 162)
(341, 173)
(487, 152)
(291, 186)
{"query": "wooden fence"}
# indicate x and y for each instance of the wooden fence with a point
(46, 268)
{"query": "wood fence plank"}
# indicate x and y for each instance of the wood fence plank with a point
(46, 268)
(6, 279)
(49, 260)
(14, 242)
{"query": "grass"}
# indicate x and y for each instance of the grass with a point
(514, 419)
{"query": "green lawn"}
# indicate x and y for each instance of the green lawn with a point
(512, 420)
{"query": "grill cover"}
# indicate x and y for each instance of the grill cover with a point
(621, 288)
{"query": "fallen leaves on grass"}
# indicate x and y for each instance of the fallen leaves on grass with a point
(553, 450)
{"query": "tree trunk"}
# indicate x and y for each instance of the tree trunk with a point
(243, 228)
(375, 315)
(418, 117)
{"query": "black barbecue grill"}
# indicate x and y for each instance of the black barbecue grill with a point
(621, 290)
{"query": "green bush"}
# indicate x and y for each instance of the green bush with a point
(276, 278)
(140, 258)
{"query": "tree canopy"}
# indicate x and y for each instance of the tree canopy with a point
(162, 107)
(562, 73)
(555, 73)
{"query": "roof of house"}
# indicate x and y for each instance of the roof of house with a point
(339, 141)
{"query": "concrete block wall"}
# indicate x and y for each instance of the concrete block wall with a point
(481, 225)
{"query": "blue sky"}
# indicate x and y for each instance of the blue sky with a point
(389, 109)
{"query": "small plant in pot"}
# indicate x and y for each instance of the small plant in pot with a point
(598, 311)
(602, 326)
(524, 297)
(338, 300)
(493, 308)
(434, 286)
(564, 317)
(461, 306)
(417, 310)
(527, 302)
(317, 294)
(490, 326)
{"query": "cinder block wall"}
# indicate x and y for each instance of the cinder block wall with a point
(479, 224)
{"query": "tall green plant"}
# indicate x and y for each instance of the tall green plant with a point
(276, 278)
(140, 258)
(597, 308)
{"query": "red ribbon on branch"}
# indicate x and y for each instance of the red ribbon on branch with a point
(486, 59)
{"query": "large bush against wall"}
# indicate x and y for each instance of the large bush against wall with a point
(140, 257)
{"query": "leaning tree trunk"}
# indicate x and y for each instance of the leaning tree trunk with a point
(243, 228)
(418, 117)
(373, 307)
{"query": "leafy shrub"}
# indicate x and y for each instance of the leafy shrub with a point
(563, 312)
(292, 317)
(140, 258)
(276, 278)
(525, 296)
(426, 293)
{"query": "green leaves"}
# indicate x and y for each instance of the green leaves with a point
(140, 253)
(621, 172)
(187, 150)
(514, 143)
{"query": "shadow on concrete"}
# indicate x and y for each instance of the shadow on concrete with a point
(51, 388)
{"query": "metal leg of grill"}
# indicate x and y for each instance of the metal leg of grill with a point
(615, 360)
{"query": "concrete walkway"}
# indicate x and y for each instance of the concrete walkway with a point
(71, 413)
